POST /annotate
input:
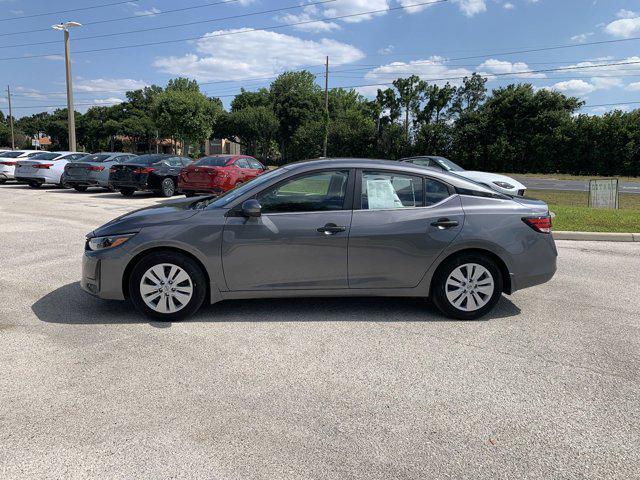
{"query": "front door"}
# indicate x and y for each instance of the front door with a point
(401, 226)
(299, 242)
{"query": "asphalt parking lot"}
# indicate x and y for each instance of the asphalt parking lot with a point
(546, 387)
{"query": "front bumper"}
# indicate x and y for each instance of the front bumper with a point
(102, 273)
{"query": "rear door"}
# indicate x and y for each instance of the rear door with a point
(299, 242)
(244, 169)
(401, 223)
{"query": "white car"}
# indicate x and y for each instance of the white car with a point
(500, 183)
(9, 159)
(46, 167)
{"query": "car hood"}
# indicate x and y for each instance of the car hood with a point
(172, 213)
(488, 178)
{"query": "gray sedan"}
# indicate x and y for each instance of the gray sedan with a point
(92, 170)
(338, 227)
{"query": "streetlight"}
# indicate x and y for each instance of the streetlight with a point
(72, 120)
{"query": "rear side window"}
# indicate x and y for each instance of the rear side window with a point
(186, 161)
(13, 154)
(389, 190)
(46, 156)
(95, 158)
(255, 164)
(242, 163)
(73, 157)
(435, 191)
(213, 161)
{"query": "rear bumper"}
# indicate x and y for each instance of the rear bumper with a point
(38, 177)
(86, 182)
(133, 185)
(190, 188)
(537, 266)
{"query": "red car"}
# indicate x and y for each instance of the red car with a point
(218, 173)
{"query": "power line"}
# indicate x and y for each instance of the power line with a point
(240, 32)
(130, 17)
(67, 11)
(177, 25)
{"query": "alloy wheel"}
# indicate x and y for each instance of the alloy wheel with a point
(166, 288)
(168, 187)
(469, 287)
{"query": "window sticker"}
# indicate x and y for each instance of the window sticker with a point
(381, 194)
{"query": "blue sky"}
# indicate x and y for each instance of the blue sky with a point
(433, 41)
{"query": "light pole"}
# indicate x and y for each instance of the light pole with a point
(70, 111)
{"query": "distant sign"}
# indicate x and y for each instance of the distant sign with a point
(603, 193)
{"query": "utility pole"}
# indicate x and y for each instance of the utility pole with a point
(67, 58)
(326, 108)
(13, 140)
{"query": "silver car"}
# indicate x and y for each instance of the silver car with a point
(339, 227)
(92, 170)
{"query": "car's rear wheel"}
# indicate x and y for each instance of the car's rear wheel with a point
(467, 286)
(35, 184)
(127, 192)
(80, 188)
(189, 194)
(3, 181)
(167, 286)
(168, 187)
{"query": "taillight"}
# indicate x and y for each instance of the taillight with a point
(113, 170)
(9, 164)
(144, 170)
(43, 165)
(539, 224)
(95, 169)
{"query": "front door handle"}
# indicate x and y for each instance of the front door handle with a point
(331, 229)
(445, 223)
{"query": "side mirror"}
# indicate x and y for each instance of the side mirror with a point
(251, 208)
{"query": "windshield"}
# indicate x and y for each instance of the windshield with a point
(448, 165)
(147, 159)
(225, 199)
(96, 158)
(12, 154)
(213, 161)
(45, 156)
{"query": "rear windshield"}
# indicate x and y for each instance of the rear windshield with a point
(146, 159)
(213, 161)
(45, 156)
(11, 154)
(96, 158)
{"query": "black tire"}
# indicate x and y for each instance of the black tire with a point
(189, 194)
(62, 185)
(128, 192)
(192, 268)
(80, 188)
(3, 181)
(168, 187)
(35, 184)
(439, 286)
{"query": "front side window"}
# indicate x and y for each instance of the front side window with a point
(256, 165)
(315, 192)
(435, 191)
(242, 163)
(388, 190)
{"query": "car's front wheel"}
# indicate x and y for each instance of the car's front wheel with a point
(127, 192)
(467, 286)
(167, 286)
(80, 188)
(35, 184)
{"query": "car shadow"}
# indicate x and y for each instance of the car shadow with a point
(70, 305)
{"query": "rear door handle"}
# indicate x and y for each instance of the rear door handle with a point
(445, 223)
(331, 229)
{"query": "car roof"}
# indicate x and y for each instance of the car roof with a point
(409, 168)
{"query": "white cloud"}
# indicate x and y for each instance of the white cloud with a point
(508, 6)
(108, 84)
(574, 87)
(386, 50)
(634, 87)
(310, 13)
(411, 7)
(606, 83)
(54, 57)
(107, 101)
(581, 38)
(626, 14)
(350, 7)
(151, 11)
(503, 67)
(471, 7)
(624, 27)
(429, 70)
(263, 53)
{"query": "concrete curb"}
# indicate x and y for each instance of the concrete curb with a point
(597, 236)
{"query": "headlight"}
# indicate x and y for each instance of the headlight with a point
(102, 243)
(506, 185)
